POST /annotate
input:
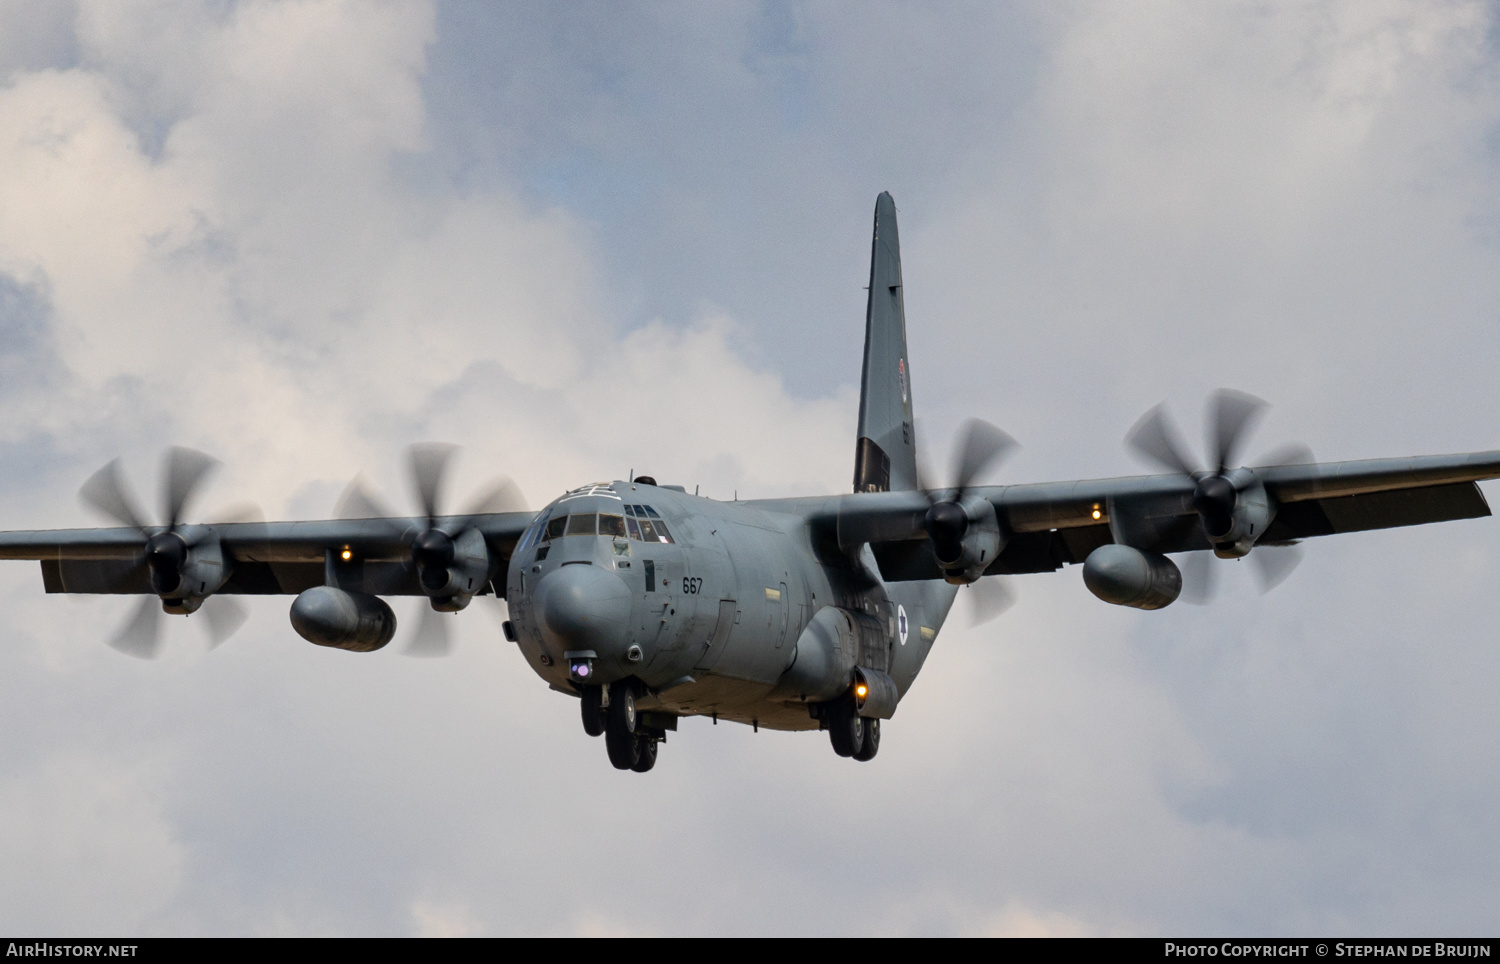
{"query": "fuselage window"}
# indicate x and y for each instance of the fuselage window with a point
(611, 525)
(555, 528)
(581, 524)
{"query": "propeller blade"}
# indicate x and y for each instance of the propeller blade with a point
(429, 466)
(1154, 439)
(1293, 453)
(497, 607)
(239, 513)
(105, 491)
(358, 502)
(131, 576)
(184, 473)
(222, 618)
(501, 495)
(989, 598)
(140, 636)
(1232, 415)
(388, 578)
(1199, 577)
(431, 637)
(1274, 563)
(981, 446)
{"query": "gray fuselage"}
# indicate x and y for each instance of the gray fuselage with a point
(711, 620)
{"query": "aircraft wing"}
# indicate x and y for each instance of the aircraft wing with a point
(265, 558)
(1052, 524)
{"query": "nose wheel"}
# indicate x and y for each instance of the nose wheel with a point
(593, 710)
(620, 719)
(646, 753)
(631, 745)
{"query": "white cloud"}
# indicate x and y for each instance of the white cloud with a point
(235, 227)
(87, 833)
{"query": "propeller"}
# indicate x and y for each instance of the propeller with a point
(431, 637)
(989, 598)
(1232, 416)
(140, 635)
(164, 551)
(981, 447)
(434, 549)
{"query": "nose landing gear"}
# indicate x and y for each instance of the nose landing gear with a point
(631, 746)
(593, 710)
(646, 759)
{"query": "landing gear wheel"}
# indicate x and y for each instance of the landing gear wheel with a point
(593, 710)
(871, 743)
(619, 726)
(647, 753)
(846, 731)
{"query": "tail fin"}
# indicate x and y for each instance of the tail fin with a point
(885, 458)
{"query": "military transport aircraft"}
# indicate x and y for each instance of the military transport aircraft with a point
(648, 604)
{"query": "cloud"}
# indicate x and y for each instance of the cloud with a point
(303, 235)
(87, 832)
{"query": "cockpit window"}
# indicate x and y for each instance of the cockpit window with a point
(611, 525)
(646, 525)
(581, 524)
(555, 528)
(533, 532)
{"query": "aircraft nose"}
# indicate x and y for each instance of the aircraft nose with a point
(585, 607)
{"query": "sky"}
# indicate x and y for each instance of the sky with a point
(585, 239)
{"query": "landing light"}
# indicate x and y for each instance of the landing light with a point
(346, 555)
(861, 690)
(1096, 512)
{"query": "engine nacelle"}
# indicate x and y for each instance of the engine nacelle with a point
(1247, 523)
(356, 621)
(450, 587)
(966, 559)
(1129, 577)
(182, 571)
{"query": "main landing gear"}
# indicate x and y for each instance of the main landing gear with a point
(851, 734)
(631, 745)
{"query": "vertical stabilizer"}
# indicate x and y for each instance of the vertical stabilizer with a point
(885, 456)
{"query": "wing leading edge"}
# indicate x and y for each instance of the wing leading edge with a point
(1053, 524)
(266, 558)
